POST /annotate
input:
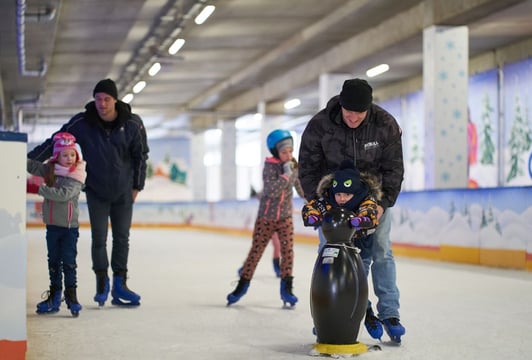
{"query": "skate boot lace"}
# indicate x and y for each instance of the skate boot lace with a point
(371, 320)
(46, 295)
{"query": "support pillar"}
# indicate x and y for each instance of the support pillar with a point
(228, 148)
(445, 82)
(199, 175)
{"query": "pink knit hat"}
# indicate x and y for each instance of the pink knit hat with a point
(62, 141)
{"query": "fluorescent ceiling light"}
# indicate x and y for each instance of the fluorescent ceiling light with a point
(292, 103)
(377, 70)
(127, 98)
(174, 48)
(154, 69)
(204, 14)
(139, 86)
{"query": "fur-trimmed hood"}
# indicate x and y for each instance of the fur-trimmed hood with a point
(375, 190)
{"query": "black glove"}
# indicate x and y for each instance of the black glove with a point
(311, 216)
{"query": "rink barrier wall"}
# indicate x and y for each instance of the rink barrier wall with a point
(488, 227)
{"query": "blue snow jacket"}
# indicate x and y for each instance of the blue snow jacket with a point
(116, 156)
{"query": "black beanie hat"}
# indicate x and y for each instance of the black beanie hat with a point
(347, 180)
(107, 86)
(356, 95)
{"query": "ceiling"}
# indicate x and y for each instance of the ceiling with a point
(247, 52)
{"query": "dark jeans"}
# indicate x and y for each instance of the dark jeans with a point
(62, 251)
(119, 211)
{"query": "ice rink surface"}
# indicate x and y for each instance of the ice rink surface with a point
(450, 311)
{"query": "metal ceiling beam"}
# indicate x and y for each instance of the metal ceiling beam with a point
(405, 25)
(301, 38)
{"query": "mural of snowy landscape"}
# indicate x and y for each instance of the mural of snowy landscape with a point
(497, 219)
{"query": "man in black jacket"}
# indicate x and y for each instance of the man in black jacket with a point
(114, 145)
(352, 127)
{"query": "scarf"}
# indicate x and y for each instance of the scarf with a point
(76, 171)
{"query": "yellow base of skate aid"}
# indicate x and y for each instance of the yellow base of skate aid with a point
(339, 349)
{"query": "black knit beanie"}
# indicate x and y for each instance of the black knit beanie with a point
(107, 86)
(356, 95)
(347, 180)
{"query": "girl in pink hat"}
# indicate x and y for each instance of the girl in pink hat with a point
(64, 177)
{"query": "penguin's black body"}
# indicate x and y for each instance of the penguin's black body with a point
(339, 287)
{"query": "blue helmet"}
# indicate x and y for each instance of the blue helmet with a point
(274, 137)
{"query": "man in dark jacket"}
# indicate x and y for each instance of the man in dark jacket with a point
(352, 127)
(114, 145)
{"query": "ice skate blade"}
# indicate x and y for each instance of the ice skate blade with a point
(395, 341)
(46, 312)
(119, 302)
(75, 312)
(289, 306)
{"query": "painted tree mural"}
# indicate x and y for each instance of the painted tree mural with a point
(519, 142)
(487, 145)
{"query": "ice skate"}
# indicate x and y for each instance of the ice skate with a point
(102, 288)
(373, 325)
(394, 329)
(52, 302)
(121, 294)
(286, 292)
(241, 290)
(71, 301)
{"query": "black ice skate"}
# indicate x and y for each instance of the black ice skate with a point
(71, 300)
(373, 325)
(286, 292)
(102, 288)
(241, 290)
(394, 329)
(51, 303)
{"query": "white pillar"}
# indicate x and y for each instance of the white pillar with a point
(229, 180)
(13, 149)
(198, 180)
(445, 81)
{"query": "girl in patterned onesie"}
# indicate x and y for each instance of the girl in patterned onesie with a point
(274, 215)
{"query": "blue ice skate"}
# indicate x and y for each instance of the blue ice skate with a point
(241, 290)
(121, 294)
(394, 329)
(51, 303)
(373, 325)
(71, 301)
(102, 288)
(286, 292)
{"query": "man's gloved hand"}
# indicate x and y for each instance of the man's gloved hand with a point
(311, 216)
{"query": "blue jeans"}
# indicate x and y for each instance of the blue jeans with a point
(120, 212)
(380, 260)
(62, 244)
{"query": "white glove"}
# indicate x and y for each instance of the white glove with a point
(288, 168)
